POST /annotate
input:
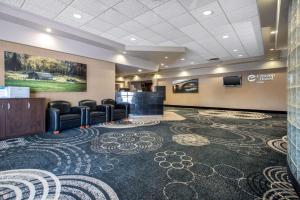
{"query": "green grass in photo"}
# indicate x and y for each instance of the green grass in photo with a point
(47, 86)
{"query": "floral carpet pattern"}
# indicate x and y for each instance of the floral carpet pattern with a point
(212, 154)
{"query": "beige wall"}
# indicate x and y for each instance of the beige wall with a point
(100, 74)
(270, 95)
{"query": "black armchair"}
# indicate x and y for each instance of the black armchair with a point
(96, 113)
(62, 116)
(117, 111)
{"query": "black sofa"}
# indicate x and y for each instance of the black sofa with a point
(117, 111)
(96, 113)
(62, 116)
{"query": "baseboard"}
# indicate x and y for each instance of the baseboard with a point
(239, 109)
(293, 181)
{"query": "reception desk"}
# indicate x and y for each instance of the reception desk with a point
(142, 103)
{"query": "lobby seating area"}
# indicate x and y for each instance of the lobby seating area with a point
(149, 100)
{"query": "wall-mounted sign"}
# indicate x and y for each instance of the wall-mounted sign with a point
(261, 78)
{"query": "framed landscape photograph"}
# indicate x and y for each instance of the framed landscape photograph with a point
(185, 86)
(43, 74)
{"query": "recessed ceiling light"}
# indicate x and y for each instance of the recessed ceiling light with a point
(140, 70)
(225, 36)
(49, 30)
(235, 50)
(124, 52)
(273, 32)
(207, 12)
(132, 39)
(182, 59)
(162, 64)
(77, 16)
(272, 49)
(166, 57)
(241, 55)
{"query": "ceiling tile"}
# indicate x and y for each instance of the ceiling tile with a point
(162, 28)
(113, 17)
(194, 4)
(183, 40)
(168, 44)
(146, 33)
(231, 5)
(46, 8)
(131, 8)
(66, 17)
(182, 20)
(132, 26)
(242, 14)
(169, 10)
(16, 3)
(91, 7)
(152, 3)
(157, 39)
(110, 2)
(173, 34)
(99, 25)
(195, 31)
(149, 18)
(117, 32)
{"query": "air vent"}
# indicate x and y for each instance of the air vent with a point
(214, 59)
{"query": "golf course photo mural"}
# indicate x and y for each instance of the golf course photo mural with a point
(43, 74)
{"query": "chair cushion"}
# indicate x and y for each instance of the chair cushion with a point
(117, 111)
(108, 102)
(97, 114)
(69, 117)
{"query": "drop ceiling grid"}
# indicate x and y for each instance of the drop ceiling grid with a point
(168, 23)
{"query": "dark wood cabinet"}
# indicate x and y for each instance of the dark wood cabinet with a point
(2, 118)
(21, 117)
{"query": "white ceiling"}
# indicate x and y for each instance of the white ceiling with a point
(174, 23)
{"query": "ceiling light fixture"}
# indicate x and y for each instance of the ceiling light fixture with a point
(77, 16)
(241, 55)
(124, 52)
(162, 64)
(132, 39)
(182, 59)
(49, 30)
(207, 12)
(273, 32)
(140, 70)
(225, 36)
(272, 49)
(235, 50)
(166, 57)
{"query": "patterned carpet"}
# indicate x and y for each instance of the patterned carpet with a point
(212, 154)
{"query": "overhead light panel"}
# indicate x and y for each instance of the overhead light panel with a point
(48, 30)
(207, 12)
(235, 50)
(140, 70)
(225, 36)
(77, 16)
(132, 39)
(273, 32)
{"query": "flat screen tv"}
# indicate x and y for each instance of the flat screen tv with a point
(232, 81)
(185, 86)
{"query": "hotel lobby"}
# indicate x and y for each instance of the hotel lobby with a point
(149, 99)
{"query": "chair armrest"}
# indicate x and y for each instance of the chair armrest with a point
(78, 109)
(53, 119)
(107, 109)
(84, 113)
(124, 106)
(103, 108)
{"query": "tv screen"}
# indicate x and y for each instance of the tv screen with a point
(185, 86)
(232, 81)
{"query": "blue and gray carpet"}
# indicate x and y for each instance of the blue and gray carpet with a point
(212, 154)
